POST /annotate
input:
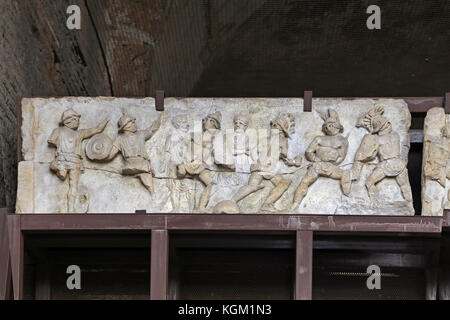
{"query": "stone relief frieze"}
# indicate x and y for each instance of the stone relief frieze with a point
(435, 163)
(217, 156)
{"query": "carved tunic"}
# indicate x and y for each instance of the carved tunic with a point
(68, 144)
(132, 147)
(387, 148)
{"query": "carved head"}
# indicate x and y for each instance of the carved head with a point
(181, 122)
(332, 125)
(241, 123)
(374, 122)
(212, 121)
(70, 119)
(127, 124)
(284, 123)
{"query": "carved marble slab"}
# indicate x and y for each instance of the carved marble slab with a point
(435, 164)
(249, 156)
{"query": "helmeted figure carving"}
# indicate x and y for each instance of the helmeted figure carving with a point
(131, 144)
(177, 151)
(204, 167)
(282, 128)
(69, 156)
(384, 144)
(242, 151)
(326, 154)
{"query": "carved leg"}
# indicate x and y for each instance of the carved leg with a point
(281, 185)
(310, 177)
(147, 181)
(346, 182)
(207, 178)
(376, 176)
(174, 196)
(356, 170)
(403, 182)
(345, 177)
(61, 173)
(74, 178)
(254, 184)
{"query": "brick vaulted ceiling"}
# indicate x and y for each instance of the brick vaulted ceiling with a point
(242, 48)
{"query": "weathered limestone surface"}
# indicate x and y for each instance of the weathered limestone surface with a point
(435, 171)
(225, 176)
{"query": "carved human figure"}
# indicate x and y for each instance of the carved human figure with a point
(69, 155)
(326, 154)
(384, 144)
(178, 151)
(203, 168)
(282, 128)
(131, 144)
(242, 152)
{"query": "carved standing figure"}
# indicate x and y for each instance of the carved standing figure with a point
(384, 144)
(69, 154)
(243, 157)
(204, 167)
(178, 151)
(282, 128)
(131, 144)
(326, 154)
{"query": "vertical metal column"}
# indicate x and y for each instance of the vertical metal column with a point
(159, 276)
(304, 265)
(5, 266)
(16, 254)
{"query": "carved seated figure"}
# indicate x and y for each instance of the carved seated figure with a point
(384, 144)
(282, 128)
(131, 144)
(326, 153)
(204, 167)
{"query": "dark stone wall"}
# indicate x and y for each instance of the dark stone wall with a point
(219, 48)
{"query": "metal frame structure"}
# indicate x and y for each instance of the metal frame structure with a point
(14, 227)
(160, 227)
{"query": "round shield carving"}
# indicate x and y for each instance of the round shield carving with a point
(99, 147)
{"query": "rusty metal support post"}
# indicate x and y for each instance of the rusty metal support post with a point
(159, 270)
(16, 254)
(307, 105)
(5, 266)
(160, 100)
(447, 103)
(304, 265)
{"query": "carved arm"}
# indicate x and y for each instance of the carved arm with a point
(150, 132)
(88, 133)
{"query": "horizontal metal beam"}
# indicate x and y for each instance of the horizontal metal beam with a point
(232, 222)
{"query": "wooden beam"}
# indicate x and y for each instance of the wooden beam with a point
(198, 222)
(16, 255)
(159, 274)
(423, 104)
(304, 265)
